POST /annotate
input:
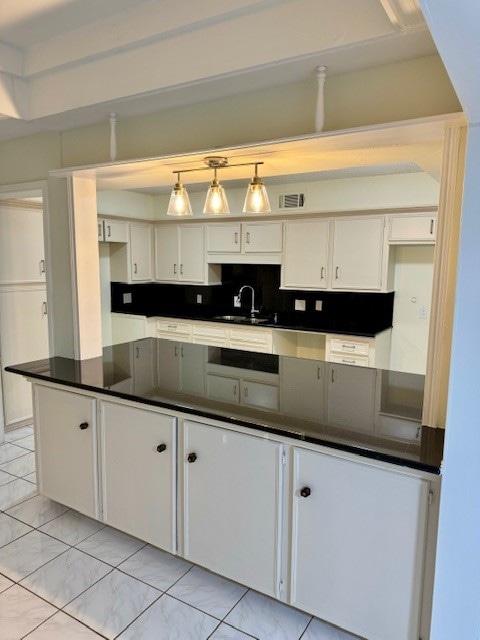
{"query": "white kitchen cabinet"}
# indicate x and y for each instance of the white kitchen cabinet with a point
(172, 375)
(173, 329)
(350, 397)
(251, 339)
(112, 230)
(127, 327)
(23, 338)
(357, 545)
(359, 351)
(141, 255)
(231, 504)
(180, 255)
(305, 262)
(358, 253)
(168, 365)
(138, 460)
(210, 333)
(302, 388)
(22, 252)
(144, 357)
(236, 385)
(246, 242)
(224, 388)
(259, 395)
(66, 440)
(415, 228)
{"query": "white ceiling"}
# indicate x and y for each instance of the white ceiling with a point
(69, 63)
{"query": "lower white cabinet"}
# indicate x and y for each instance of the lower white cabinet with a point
(66, 442)
(350, 397)
(138, 472)
(231, 499)
(357, 545)
(302, 385)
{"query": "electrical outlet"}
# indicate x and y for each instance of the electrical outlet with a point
(236, 301)
(300, 305)
(423, 312)
(318, 305)
(127, 298)
(199, 298)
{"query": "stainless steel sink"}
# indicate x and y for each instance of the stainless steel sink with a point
(241, 319)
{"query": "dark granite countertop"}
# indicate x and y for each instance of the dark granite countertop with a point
(370, 412)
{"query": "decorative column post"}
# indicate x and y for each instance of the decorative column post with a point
(320, 110)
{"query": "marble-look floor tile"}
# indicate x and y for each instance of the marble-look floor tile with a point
(24, 555)
(21, 466)
(319, 630)
(208, 592)
(9, 451)
(267, 619)
(32, 477)
(5, 477)
(110, 545)
(224, 632)
(169, 618)
(72, 527)
(17, 434)
(112, 603)
(62, 627)
(11, 529)
(15, 492)
(21, 612)
(66, 577)
(157, 568)
(26, 443)
(5, 583)
(37, 510)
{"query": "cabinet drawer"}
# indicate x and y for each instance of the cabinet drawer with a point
(178, 328)
(209, 331)
(413, 229)
(358, 361)
(349, 347)
(250, 335)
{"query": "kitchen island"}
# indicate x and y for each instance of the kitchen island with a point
(309, 481)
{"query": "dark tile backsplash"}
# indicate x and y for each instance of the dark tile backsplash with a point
(364, 313)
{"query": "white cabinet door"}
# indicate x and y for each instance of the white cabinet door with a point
(302, 388)
(138, 473)
(193, 374)
(351, 397)
(223, 238)
(357, 545)
(262, 237)
(305, 257)
(358, 253)
(22, 253)
(141, 252)
(115, 231)
(413, 229)
(166, 253)
(259, 395)
(231, 504)
(65, 425)
(192, 253)
(168, 365)
(23, 338)
(223, 388)
(144, 369)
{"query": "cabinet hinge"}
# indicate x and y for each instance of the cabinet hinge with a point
(430, 501)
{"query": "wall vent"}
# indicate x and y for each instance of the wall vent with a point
(292, 201)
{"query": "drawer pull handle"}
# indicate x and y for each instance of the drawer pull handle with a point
(135, 268)
(161, 448)
(42, 267)
(348, 361)
(245, 392)
(431, 226)
(172, 326)
(248, 238)
(305, 492)
(333, 375)
(174, 269)
(322, 273)
(44, 308)
(181, 269)
(83, 426)
(319, 373)
(191, 457)
(236, 237)
(337, 269)
(349, 346)
(109, 232)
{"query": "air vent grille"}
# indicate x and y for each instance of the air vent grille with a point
(292, 201)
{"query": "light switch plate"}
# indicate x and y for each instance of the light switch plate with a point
(300, 305)
(318, 305)
(127, 298)
(199, 298)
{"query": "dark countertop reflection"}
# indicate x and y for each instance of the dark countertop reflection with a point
(370, 412)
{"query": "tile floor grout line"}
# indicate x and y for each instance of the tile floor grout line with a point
(100, 635)
(305, 630)
(137, 617)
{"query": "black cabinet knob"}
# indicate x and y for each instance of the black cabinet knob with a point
(161, 447)
(192, 457)
(83, 425)
(305, 492)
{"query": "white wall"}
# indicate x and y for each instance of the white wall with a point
(413, 289)
(129, 204)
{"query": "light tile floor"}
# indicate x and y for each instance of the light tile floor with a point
(64, 576)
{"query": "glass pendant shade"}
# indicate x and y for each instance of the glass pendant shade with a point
(256, 200)
(179, 204)
(216, 200)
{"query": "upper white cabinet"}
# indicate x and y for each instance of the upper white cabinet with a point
(417, 228)
(138, 472)
(22, 253)
(305, 256)
(112, 230)
(245, 242)
(180, 255)
(357, 545)
(358, 253)
(132, 261)
(232, 504)
(66, 433)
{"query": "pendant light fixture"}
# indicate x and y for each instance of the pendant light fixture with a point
(256, 200)
(179, 204)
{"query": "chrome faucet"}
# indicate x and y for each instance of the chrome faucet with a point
(238, 298)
